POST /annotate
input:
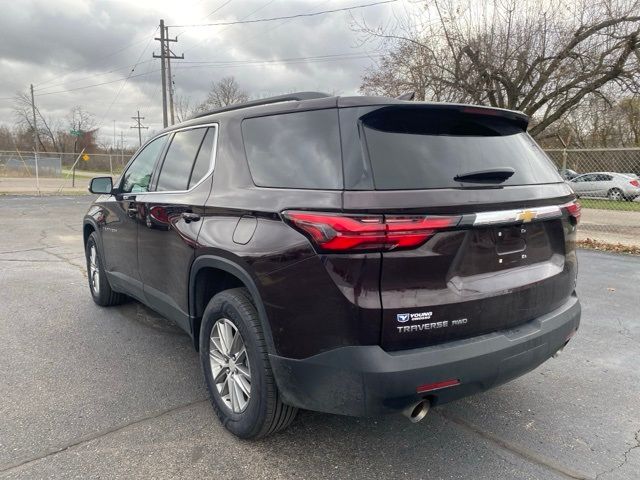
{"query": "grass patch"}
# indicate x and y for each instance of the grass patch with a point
(609, 247)
(605, 204)
(89, 174)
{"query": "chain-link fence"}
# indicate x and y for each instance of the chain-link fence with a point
(52, 173)
(12, 163)
(607, 182)
(23, 164)
(605, 179)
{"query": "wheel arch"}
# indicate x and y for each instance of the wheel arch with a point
(88, 228)
(227, 274)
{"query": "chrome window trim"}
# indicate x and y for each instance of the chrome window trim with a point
(212, 160)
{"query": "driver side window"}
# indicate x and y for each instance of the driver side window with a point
(138, 175)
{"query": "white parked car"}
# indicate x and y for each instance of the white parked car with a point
(612, 185)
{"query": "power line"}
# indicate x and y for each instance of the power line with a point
(113, 70)
(132, 44)
(287, 17)
(228, 64)
(125, 81)
(281, 60)
(291, 61)
(243, 18)
(93, 85)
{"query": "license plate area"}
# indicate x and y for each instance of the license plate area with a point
(510, 240)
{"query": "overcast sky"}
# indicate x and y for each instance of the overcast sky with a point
(69, 44)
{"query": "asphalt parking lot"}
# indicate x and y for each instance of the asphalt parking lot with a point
(87, 392)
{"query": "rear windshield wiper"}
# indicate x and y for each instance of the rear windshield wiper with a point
(493, 175)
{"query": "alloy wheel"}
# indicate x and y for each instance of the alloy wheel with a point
(615, 194)
(230, 365)
(94, 270)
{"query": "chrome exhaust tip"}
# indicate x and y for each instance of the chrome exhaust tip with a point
(417, 411)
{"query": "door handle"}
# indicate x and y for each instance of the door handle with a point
(190, 217)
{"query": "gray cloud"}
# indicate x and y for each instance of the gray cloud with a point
(67, 44)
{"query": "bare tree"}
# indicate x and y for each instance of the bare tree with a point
(83, 124)
(24, 118)
(629, 109)
(541, 57)
(183, 108)
(80, 120)
(222, 93)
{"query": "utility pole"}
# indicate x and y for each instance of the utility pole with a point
(35, 138)
(169, 77)
(166, 54)
(139, 126)
(163, 73)
(121, 148)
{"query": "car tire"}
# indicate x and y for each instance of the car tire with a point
(99, 286)
(615, 194)
(261, 412)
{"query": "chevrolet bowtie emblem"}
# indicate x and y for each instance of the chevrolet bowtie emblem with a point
(526, 215)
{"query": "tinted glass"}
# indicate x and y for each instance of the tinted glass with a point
(203, 161)
(420, 148)
(138, 175)
(295, 150)
(179, 159)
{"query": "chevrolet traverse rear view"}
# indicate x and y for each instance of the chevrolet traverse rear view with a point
(350, 255)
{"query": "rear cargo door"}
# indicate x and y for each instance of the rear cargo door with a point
(499, 253)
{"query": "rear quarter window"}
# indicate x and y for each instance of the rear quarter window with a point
(295, 150)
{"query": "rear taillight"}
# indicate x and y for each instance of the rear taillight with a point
(336, 233)
(573, 208)
(635, 183)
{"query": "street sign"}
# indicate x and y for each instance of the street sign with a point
(76, 133)
(86, 157)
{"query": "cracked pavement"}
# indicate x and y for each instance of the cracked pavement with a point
(88, 392)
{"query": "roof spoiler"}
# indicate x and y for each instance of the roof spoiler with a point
(289, 97)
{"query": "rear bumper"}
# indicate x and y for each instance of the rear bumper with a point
(366, 380)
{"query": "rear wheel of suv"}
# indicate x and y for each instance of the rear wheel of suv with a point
(101, 290)
(236, 368)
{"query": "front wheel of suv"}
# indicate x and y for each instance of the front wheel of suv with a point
(101, 290)
(236, 368)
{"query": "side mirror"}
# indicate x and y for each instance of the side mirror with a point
(101, 185)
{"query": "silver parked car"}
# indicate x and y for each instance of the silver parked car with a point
(614, 186)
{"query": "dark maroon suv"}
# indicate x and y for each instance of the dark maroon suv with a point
(351, 255)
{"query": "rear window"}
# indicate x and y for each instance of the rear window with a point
(295, 150)
(420, 148)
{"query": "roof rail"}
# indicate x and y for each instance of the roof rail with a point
(289, 97)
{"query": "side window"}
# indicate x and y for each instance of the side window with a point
(605, 178)
(138, 175)
(178, 162)
(203, 161)
(294, 150)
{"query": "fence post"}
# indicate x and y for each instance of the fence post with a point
(37, 177)
(110, 165)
